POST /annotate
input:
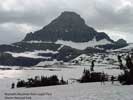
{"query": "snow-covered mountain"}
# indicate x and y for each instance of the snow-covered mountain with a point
(67, 35)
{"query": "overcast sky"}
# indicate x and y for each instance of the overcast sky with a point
(18, 17)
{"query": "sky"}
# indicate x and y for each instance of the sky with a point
(19, 17)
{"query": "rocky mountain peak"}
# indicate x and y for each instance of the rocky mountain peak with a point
(69, 26)
(69, 18)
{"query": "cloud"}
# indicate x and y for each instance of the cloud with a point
(22, 16)
(11, 32)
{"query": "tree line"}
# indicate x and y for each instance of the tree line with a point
(41, 81)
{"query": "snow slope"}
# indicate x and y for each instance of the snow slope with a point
(46, 63)
(37, 41)
(85, 91)
(33, 54)
(69, 73)
(100, 58)
(83, 45)
(72, 91)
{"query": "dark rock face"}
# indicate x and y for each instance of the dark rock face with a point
(8, 60)
(102, 35)
(12, 48)
(68, 26)
(121, 41)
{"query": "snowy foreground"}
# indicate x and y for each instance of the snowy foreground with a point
(72, 91)
(76, 91)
